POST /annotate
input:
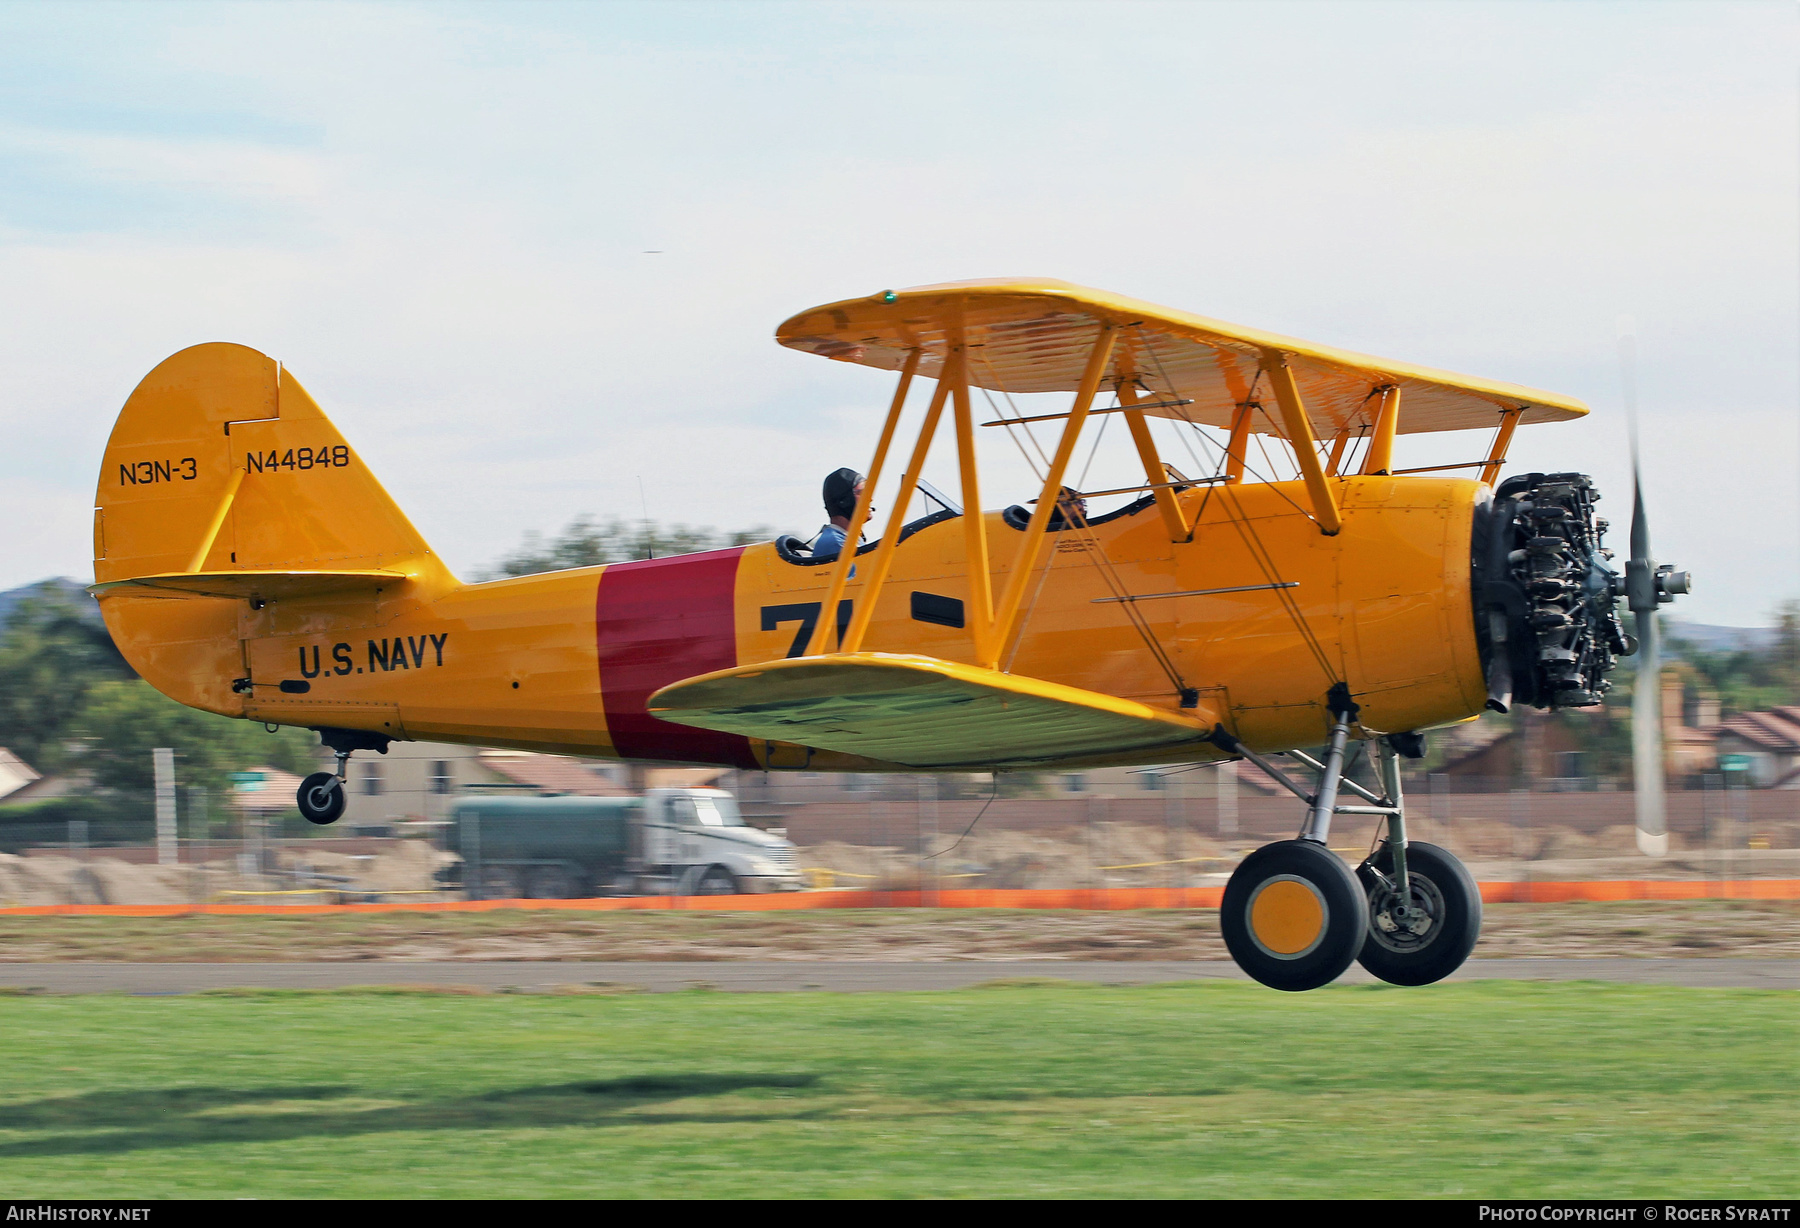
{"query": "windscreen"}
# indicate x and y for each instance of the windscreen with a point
(717, 811)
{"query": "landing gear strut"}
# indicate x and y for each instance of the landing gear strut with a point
(1294, 916)
(321, 796)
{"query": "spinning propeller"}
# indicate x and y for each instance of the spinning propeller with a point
(1648, 584)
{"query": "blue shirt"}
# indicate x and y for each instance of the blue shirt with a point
(828, 543)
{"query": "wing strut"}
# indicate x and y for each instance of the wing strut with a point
(1180, 529)
(883, 558)
(975, 539)
(1509, 421)
(1300, 438)
(846, 562)
(1007, 616)
(1380, 459)
(1239, 443)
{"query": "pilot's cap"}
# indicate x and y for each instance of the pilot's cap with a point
(840, 492)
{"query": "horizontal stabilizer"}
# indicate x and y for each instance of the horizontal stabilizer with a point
(260, 585)
(922, 712)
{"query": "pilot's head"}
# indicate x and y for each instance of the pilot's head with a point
(1070, 506)
(841, 487)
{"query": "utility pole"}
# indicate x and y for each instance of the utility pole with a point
(167, 853)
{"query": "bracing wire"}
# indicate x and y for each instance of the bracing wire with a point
(1097, 556)
(1025, 621)
(1103, 563)
(1109, 575)
(1265, 562)
(1492, 443)
(1095, 553)
(1010, 424)
(1253, 542)
(1270, 462)
(971, 827)
(1197, 429)
(1049, 562)
(1357, 454)
(1219, 468)
(1011, 405)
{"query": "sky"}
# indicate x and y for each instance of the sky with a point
(530, 257)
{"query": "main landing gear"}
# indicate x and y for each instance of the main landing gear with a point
(1295, 916)
(321, 796)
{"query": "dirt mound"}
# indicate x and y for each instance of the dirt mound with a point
(406, 868)
(1112, 855)
(27, 881)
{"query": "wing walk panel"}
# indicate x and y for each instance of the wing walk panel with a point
(923, 712)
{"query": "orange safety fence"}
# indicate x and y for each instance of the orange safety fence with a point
(1087, 898)
(1608, 891)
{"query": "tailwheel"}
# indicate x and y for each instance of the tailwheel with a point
(1427, 937)
(1294, 916)
(321, 798)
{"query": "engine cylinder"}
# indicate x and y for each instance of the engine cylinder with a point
(1545, 594)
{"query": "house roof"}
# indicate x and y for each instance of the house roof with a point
(551, 774)
(1776, 729)
(15, 773)
(272, 794)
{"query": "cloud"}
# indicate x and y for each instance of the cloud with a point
(438, 218)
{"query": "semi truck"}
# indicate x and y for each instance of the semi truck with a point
(667, 842)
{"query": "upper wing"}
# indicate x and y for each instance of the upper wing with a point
(1033, 335)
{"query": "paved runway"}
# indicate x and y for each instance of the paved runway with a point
(829, 975)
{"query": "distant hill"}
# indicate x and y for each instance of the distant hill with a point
(1709, 638)
(74, 591)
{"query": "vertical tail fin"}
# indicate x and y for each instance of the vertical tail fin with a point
(220, 462)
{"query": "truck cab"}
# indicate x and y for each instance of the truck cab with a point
(698, 839)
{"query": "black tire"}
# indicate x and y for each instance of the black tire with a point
(321, 798)
(1294, 916)
(551, 883)
(717, 881)
(499, 883)
(1429, 948)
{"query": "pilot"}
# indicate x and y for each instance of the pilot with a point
(843, 487)
(1071, 508)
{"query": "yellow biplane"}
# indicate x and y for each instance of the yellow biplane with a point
(249, 564)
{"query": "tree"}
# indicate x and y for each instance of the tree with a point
(52, 653)
(123, 722)
(1747, 679)
(588, 542)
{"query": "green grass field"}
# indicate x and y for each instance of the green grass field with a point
(1220, 1089)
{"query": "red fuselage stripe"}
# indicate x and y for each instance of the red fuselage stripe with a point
(657, 622)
